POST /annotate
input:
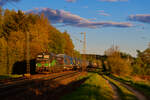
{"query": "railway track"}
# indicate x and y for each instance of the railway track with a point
(7, 81)
(23, 79)
(23, 85)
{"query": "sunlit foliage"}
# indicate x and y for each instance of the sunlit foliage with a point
(141, 64)
(116, 63)
(14, 27)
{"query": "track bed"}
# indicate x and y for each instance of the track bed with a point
(38, 88)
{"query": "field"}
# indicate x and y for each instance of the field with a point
(94, 88)
(102, 87)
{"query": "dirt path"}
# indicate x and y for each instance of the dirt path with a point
(139, 95)
(116, 94)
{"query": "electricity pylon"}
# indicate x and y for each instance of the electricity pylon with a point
(84, 52)
(28, 55)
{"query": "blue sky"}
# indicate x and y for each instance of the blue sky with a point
(125, 23)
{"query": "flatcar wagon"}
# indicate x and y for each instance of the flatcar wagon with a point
(65, 61)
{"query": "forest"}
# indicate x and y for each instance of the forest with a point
(14, 26)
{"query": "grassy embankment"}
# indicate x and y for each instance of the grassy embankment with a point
(9, 76)
(94, 88)
(141, 85)
(124, 93)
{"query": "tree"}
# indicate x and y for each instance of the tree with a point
(116, 64)
(13, 22)
(56, 41)
(76, 54)
(1, 29)
(141, 64)
(7, 28)
(69, 47)
(39, 35)
(43, 38)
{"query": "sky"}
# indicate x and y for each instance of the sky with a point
(125, 23)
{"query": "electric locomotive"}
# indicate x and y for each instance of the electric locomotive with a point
(45, 62)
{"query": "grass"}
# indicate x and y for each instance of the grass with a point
(94, 88)
(124, 93)
(143, 86)
(9, 76)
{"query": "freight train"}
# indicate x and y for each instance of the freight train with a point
(49, 62)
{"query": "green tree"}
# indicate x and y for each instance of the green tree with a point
(141, 64)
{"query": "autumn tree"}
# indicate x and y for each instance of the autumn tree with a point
(14, 27)
(56, 41)
(2, 46)
(76, 54)
(1, 21)
(39, 32)
(7, 28)
(116, 64)
(69, 47)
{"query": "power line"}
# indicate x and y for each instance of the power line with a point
(77, 39)
(12, 4)
(84, 51)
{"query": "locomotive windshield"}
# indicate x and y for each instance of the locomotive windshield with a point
(46, 56)
(39, 57)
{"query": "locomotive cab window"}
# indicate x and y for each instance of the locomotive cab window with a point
(46, 56)
(39, 56)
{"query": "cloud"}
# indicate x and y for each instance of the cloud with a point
(104, 14)
(3, 2)
(145, 18)
(112, 0)
(71, 1)
(66, 18)
(92, 19)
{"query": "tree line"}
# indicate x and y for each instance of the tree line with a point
(14, 26)
(120, 63)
